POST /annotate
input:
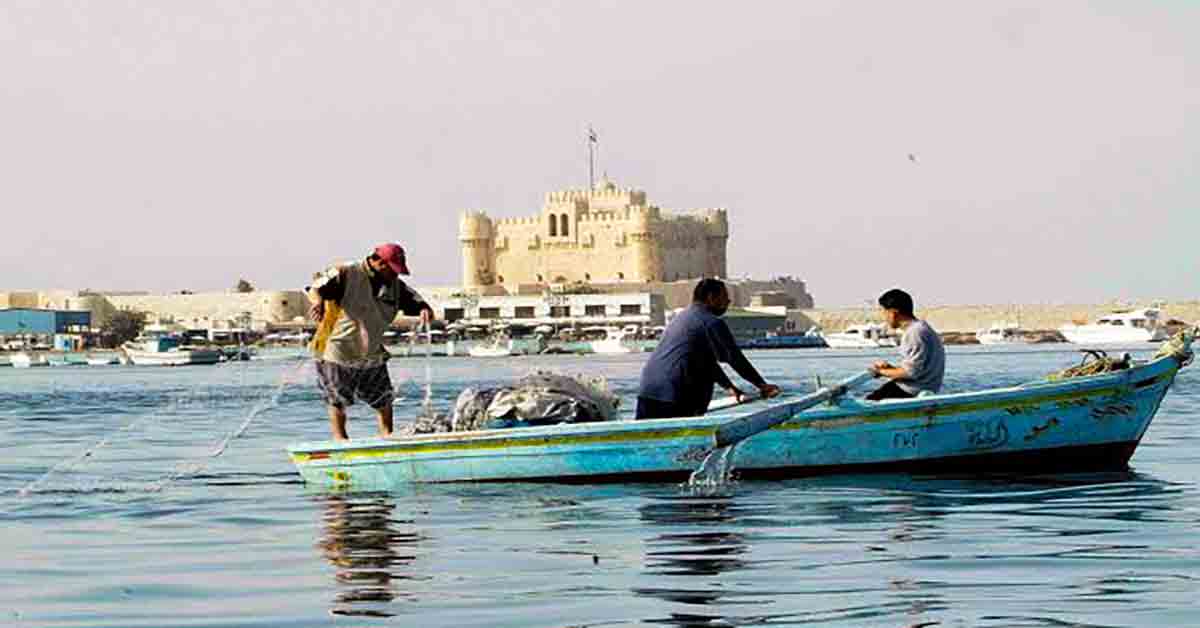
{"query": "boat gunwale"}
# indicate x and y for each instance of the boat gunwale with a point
(1118, 382)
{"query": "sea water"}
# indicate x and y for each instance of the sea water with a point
(158, 497)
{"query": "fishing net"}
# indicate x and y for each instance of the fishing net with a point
(539, 398)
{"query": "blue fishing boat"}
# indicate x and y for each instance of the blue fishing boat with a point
(1078, 423)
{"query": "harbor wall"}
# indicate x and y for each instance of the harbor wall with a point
(969, 318)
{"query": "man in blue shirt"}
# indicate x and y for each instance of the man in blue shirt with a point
(678, 379)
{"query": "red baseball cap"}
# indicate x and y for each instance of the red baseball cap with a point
(393, 254)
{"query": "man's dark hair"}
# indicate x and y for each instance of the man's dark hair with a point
(708, 287)
(897, 299)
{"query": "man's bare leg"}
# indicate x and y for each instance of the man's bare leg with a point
(385, 420)
(337, 423)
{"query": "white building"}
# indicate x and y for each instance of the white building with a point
(642, 308)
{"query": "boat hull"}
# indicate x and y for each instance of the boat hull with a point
(172, 358)
(1089, 335)
(1082, 424)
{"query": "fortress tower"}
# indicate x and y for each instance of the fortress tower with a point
(478, 249)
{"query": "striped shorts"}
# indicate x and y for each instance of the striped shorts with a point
(341, 385)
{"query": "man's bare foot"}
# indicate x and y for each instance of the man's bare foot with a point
(341, 439)
(385, 435)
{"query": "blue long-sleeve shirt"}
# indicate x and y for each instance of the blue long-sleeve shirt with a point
(685, 365)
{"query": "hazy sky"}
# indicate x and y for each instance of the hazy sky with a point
(180, 145)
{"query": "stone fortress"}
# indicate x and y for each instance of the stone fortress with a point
(605, 235)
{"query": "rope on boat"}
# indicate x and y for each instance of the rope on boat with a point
(1179, 346)
(1096, 361)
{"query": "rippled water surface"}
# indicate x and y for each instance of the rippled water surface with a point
(116, 512)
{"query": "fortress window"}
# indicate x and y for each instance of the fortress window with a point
(564, 229)
(553, 226)
(620, 275)
(500, 278)
(540, 280)
(586, 277)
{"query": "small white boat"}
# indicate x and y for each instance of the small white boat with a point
(165, 351)
(1001, 334)
(866, 336)
(103, 360)
(615, 341)
(1142, 325)
(497, 347)
(24, 360)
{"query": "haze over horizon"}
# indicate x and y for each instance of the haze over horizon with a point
(998, 153)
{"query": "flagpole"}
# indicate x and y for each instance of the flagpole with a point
(591, 139)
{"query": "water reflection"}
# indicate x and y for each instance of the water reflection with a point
(862, 548)
(675, 549)
(371, 552)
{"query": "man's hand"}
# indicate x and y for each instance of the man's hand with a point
(426, 316)
(768, 390)
(878, 366)
(317, 311)
(737, 394)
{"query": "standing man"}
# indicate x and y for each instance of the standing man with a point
(678, 379)
(922, 356)
(355, 304)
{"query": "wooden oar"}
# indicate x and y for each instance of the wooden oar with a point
(742, 428)
(731, 401)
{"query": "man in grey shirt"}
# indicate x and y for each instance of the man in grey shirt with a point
(678, 379)
(922, 356)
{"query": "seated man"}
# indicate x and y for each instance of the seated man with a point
(922, 356)
(678, 379)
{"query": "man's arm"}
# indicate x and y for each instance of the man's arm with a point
(412, 304)
(326, 286)
(726, 350)
(914, 361)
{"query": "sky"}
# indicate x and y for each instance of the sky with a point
(969, 152)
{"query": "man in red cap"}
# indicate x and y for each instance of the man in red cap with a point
(355, 304)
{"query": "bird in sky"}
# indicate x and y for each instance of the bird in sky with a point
(912, 158)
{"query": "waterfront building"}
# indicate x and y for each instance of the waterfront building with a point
(642, 308)
(42, 322)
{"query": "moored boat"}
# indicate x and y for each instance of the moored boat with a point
(614, 341)
(1001, 334)
(1081, 423)
(865, 336)
(1131, 326)
(810, 339)
(165, 351)
(497, 347)
(24, 360)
